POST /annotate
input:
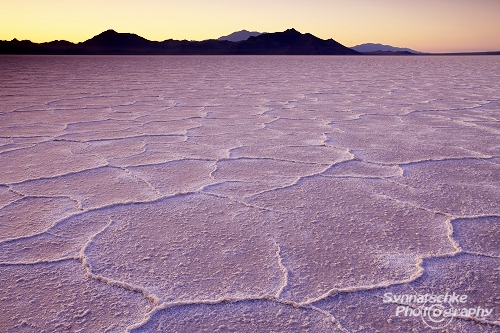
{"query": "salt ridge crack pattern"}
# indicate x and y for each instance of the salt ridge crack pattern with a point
(217, 194)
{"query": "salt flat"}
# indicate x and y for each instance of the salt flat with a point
(249, 193)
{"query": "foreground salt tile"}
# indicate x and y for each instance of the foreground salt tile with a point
(188, 248)
(458, 187)
(64, 239)
(263, 168)
(47, 159)
(412, 138)
(116, 148)
(7, 196)
(240, 189)
(300, 154)
(92, 189)
(366, 311)
(478, 235)
(358, 169)
(176, 177)
(341, 234)
(31, 216)
(243, 316)
(59, 297)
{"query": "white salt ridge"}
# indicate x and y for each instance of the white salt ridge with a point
(202, 194)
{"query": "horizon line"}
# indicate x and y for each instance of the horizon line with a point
(216, 38)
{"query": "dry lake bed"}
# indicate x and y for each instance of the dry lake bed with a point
(249, 194)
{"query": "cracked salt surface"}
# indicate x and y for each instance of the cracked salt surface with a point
(246, 194)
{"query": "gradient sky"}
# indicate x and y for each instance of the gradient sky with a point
(424, 25)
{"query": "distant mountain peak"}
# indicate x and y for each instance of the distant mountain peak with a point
(290, 42)
(241, 35)
(376, 47)
(112, 39)
(109, 32)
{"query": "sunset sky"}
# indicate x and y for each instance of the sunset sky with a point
(424, 25)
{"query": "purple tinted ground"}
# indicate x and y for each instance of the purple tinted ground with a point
(249, 194)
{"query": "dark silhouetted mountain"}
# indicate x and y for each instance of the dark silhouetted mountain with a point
(380, 48)
(59, 43)
(27, 47)
(238, 36)
(290, 42)
(113, 40)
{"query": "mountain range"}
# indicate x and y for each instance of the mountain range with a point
(372, 47)
(288, 42)
(111, 42)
